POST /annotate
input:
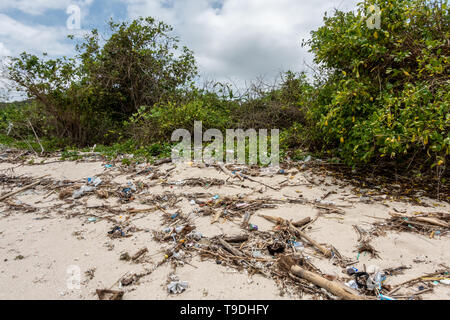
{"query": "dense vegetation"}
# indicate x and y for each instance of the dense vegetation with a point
(380, 95)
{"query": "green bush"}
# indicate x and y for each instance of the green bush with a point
(157, 123)
(387, 91)
(87, 97)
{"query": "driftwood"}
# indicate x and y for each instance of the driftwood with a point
(302, 222)
(230, 248)
(261, 183)
(139, 254)
(227, 172)
(272, 219)
(20, 190)
(216, 217)
(323, 250)
(434, 221)
(237, 239)
(335, 288)
(162, 161)
(246, 219)
(116, 295)
(326, 252)
(278, 220)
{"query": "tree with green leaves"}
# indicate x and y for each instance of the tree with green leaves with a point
(139, 63)
(387, 94)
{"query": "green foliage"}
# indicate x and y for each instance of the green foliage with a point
(158, 122)
(86, 97)
(387, 93)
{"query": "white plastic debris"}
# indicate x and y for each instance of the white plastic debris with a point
(79, 193)
(179, 255)
(95, 181)
(325, 203)
(177, 286)
(352, 284)
(257, 254)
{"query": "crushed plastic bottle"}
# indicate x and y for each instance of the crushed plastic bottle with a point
(177, 287)
(80, 192)
(352, 284)
(95, 181)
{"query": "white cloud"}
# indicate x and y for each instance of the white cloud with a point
(36, 39)
(244, 38)
(4, 51)
(231, 39)
(38, 7)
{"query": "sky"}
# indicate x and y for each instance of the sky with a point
(233, 40)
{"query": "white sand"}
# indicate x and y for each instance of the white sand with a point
(50, 246)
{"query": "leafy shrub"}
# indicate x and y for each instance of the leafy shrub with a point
(158, 122)
(387, 94)
(87, 97)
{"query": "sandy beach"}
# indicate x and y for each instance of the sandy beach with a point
(48, 237)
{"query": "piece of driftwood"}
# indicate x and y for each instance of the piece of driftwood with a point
(331, 286)
(20, 190)
(227, 172)
(323, 250)
(434, 221)
(139, 254)
(246, 219)
(278, 220)
(216, 217)
(261, 183)
(116, 295)
(302, 222)
(230, 248)
(326, 252)
(237, 239)
(162, 161)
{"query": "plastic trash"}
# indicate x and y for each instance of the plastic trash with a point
(127, 193)
(194, 235)
(257, 254)
(108, 166)
(352, 284)
(376, 281)
(117, 230)
(216, 197)
(351, 270)
(383, 297)
(132, 186)
(92, 219)
(177, 287)
(325, 203)
(80, 192)
(179, 255)
(252, 227)
(297, 245)
(95, 181)
(445, 281)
